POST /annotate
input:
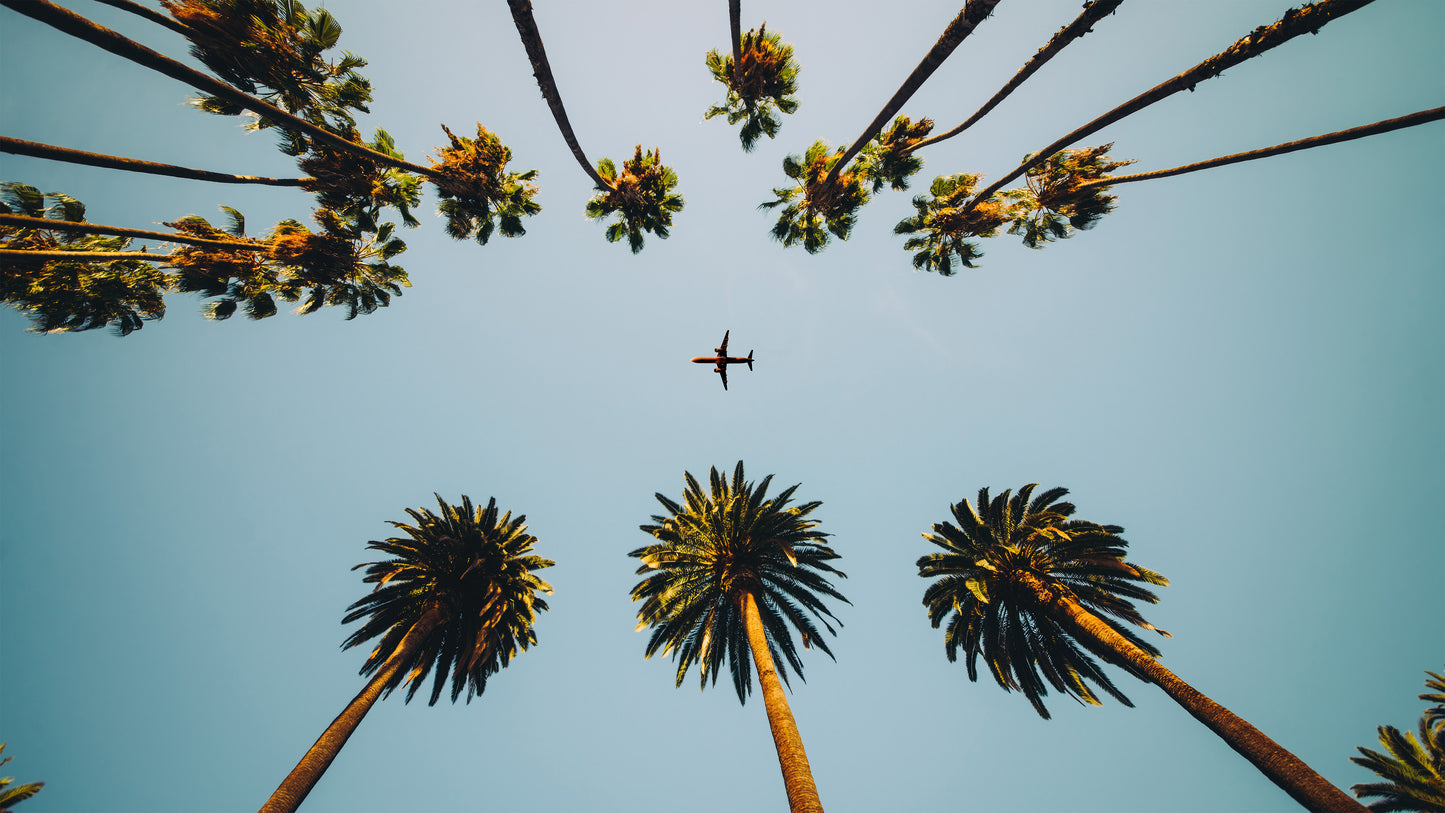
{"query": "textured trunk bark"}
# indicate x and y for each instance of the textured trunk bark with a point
(1306, 20)
(542, 70)
(1283, 768)
(25, 221)
(94, 159)
(973, 13)
(294, 788)
(735, 28)
(102, 37)
(797, 774)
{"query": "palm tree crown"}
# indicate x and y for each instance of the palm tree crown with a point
(473, 567)
(988, 578)
(715, 548)
(766, 81)
(1414, 769)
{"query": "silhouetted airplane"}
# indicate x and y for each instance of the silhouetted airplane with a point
(722, 360)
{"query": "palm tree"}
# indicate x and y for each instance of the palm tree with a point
(641, 194)
(71, 281)
(730, 572)
(476, 189)
(760, 76)
(9, 797)
(1063, 195)
(1305, 20)
(1414, 769)
(458, 594)
(943, 226)
(35, 149)
(1040, 595)
(812, 208)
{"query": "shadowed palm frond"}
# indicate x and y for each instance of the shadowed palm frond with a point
(766, 83)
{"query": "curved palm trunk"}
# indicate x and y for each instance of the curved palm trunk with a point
(294, 788)
(735, 29)
(542, 70)
(1378, 127)
(102, 37)
(93, 256)
(1306, 20)
(1283, 768)
(25, 221)
(35, 149)
(797, 774)
(1094, 11)
(150, 14)
(973, 13)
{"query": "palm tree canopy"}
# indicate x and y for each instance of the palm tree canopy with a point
(478, 193)
(1061, 196)
(1413, 769)
(944, 223)
(767, 80)
(14, 795)
(712, 549)
(979, 583)
(640, 195)
(813, 207)
(474, 566)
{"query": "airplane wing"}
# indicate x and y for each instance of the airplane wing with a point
(723, 351)
(722, 370)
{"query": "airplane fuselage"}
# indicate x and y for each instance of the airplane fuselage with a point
(721, 360)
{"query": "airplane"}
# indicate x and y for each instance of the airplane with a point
(722, 359)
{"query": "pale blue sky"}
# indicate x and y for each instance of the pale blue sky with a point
(1245, 368)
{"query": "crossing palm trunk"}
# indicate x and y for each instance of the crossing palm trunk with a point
(797, 774)
(35, 149)
(1283, 768)
(294, 788)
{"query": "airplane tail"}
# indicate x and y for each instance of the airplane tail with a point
(750, 359)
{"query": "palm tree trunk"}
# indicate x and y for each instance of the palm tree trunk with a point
(36, 149)
(89, 256)
(1434, 114)
(1283, 768)
(1094, 11)
(973, 13)
(797, 774)
(735, 29)
(1306, 20)
(78, 26)
(149, 14)
(542, 70)
(293, 790)
(25, 221)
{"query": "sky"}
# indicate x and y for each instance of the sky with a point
(1244, 367)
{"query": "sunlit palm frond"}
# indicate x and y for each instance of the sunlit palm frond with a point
(640, 195)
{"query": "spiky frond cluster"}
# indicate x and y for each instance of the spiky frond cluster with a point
(356, 186)
(766, 82)
(944, 224)
(1055, 204)
(478, 194)
(979, 587)
(887, 158)
(73, 295)
(717, 546)
(233, 279)
(12, 796)
(812, 208)
(640, 195)
(275, 49)
(1413, 769)
(474, 566)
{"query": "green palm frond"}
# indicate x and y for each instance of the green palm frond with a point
(888, 160)
(472, 564)
(73, 295)
(640, 195)
(713, 548)
(478, 194)
(11, 796)
(347, 263)
(944, 223)
(1056, 201)
(990, 550)
(811, 208)
(356, 186)
(765, 84)
(1413, 768)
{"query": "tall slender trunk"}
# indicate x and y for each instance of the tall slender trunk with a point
(294, 788)
(1283, 768)
(149, 14)
(542, 70)
(1306, 20)
(19, 254)
(735, 30)
(51, 152)
(1434, 114)
(973, 13)
(102, 37)
(25, 221)
(1094, 11)
(797, 774)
